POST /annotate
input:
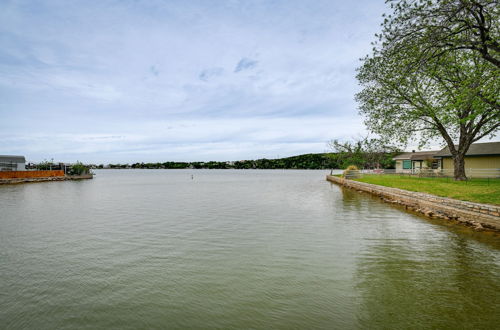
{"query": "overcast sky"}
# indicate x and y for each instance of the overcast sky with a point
(126, 81)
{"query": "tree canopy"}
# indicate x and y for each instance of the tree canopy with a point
(363, 153)
(445, 25)
(425, 79)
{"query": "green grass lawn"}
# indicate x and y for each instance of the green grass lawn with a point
(475, 190)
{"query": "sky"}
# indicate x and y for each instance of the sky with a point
(131, 81)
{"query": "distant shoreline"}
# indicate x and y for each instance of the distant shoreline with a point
(236, 169)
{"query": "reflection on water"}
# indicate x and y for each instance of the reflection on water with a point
(405, 284)
(234, 249)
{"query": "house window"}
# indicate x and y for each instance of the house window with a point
(406, 164)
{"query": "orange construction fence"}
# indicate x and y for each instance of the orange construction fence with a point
(30, 174)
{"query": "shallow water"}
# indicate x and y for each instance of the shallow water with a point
(234, 249)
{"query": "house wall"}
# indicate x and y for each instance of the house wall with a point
(479, 162)
(8, 166)
(400, 169)
(416, 165)
(399, 166)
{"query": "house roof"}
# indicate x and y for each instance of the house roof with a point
(418, 155)
(12, 159)
(476, 149)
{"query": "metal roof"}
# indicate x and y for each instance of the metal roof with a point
(418, 155)
(12, 159)
(475, 149)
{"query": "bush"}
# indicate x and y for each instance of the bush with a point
(351, 172)
(45, 165)
(78, 169)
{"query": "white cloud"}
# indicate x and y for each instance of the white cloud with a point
(232, 79)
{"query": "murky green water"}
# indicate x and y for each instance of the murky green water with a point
(234, 249)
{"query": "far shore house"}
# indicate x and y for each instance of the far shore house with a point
(12, 163)
(480, 156)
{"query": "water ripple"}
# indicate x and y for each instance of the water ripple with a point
(234, 249)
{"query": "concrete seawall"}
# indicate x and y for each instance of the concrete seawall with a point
(479, 216)
(45, 179)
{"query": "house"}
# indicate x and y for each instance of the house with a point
(479, 156)
(415, 161)
(12, 163)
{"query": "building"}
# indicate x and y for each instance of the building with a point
(415, 161)
(480, 156)
(12, 163)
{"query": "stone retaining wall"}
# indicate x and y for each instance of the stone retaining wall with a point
(477, 215)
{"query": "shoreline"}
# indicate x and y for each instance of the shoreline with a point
(476, 215)
(46, 179)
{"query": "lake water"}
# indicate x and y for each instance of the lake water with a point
(138, 249)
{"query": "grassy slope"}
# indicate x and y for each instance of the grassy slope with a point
(476, 190)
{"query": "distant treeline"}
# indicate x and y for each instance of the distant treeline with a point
(307, 161)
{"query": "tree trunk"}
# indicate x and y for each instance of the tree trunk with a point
(459, 167)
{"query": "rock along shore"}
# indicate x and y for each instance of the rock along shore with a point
(45, 179)
(479, 216)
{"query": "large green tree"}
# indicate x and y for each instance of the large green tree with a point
(427, 78)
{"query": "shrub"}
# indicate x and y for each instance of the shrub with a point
(78, 169)
(45, 165)
(351, 172)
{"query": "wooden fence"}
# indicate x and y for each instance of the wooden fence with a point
(30, 174)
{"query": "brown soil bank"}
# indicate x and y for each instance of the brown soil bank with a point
(479, 216)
